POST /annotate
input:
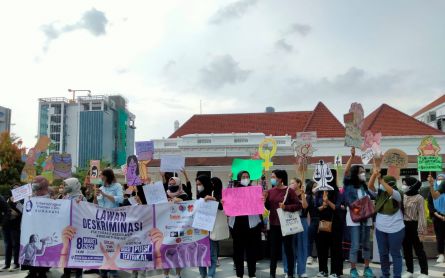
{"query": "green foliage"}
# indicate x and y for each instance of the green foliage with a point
(10, 159)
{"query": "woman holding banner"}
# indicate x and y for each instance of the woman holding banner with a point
(109, 195)
(206, 191)
(274, 199)
(246, 233)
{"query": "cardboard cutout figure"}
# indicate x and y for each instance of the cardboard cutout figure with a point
(95, 172)
(395, 160)
(353, 125)
(267, 154)
(42, 144)
(429, 147)
(62, 165)
(133, 171)
(323, 175)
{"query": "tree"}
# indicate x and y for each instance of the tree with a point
(10, 158)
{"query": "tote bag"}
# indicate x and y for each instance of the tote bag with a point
(290, 222)
(221, 228)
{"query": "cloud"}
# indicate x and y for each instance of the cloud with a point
(301, 29)
(221, 71)
(93, 21)
(232, 11)
(355, 82)
(282, 44)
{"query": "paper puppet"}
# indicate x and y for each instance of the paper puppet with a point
(395, 160)
(267, 154)
(62, 165)
(323, 175)
(95, 172)
(372, 141)
(429, 147)
(143, 173)
(144, 150)
(32, 156)
(28, 173)
(48, 164)
(353, 125)
(42, 144)
(133, 171)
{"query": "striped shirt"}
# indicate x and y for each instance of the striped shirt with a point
(415, 211)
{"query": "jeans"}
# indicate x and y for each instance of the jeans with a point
(276, 242)
(412, 240)
(360, 237)
(439, 229)
(214, 248)
(11, 236)
(300, 249)
(390, 243)
(312, 235)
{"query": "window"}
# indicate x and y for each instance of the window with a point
(57, 108)
(55, 128)
(55, 137)
(86, 106)
(96, 106)
(204, 141)
(170, 144)
(281, 142)
(240, 140)
(432, 116)
(56, 119)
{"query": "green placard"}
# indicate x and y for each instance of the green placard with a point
(429, 163)
(253, 166)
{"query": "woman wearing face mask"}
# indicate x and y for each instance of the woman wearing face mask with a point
(300, 239)
(328, 204)
(175, 191)
(355, 188)
(390, 229)
(109, 195)
(205, 191)
(436, 206)
(175, 194)
(314, 221)
(415, 222)
(274, 199)
(246, 234)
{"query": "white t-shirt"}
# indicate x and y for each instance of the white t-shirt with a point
(360, 193)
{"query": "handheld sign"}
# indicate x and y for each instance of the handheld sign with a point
(429, 159)
(253, 166)
(323, 175)
(21, 192)
(267, 154)
(172, 163)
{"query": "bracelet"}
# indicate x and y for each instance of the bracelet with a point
(64, 254)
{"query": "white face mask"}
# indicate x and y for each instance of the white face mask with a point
(405, 188)
(245, 182)
(362, 176)
(200, 188)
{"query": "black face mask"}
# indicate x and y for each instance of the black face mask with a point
(173, 188)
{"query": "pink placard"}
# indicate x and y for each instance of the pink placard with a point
(243, 201)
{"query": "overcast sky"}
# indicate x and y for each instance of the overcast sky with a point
(235, 56)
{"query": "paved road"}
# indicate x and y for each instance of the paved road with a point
(226, 271)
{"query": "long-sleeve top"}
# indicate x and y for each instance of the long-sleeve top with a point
(328, 213)
(275, 197)
(414, 210)
(114, 190)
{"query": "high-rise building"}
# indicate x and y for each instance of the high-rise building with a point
(5, 119)
(89, 127)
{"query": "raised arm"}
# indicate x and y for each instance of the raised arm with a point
(349, 163)
(434, 193)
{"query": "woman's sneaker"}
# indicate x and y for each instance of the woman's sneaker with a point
(354, 273)
(368, 272)
(310, 260)
(407, 275)
(440, 259)
(322, 274)
(333, 275)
